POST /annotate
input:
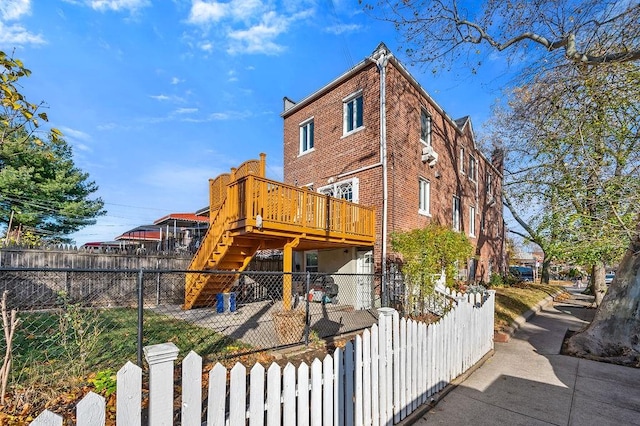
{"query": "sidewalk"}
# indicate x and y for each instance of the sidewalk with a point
(527, 382)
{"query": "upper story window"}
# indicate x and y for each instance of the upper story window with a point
(424, 197)
(462, 160)
(306, 136)
(425, 127)
(353, 113)
(456, 213)
(472, 221)
(346, 189)
(473, 168)
(489, 183)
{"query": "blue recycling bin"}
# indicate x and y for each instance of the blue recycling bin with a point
(232, 301)
(220, 303)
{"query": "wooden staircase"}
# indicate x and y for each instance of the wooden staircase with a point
(219, 250)
(249, 212)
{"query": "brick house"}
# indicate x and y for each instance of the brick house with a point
(374, 136)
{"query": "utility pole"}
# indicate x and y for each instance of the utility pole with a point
(6, 240)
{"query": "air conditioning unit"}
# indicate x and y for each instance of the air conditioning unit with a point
(429, 155)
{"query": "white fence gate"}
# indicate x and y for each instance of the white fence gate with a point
(377, 379)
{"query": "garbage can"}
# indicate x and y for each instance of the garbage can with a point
(220, 303)
(232, 301)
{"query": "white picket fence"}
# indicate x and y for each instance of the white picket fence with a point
(377, 379)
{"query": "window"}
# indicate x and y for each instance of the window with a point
(462, 159)
(346, 189)
(424, 195)
(425, 127)
(473, 168)
(311, 261)
(472, 221)
(456, 213)
(489, 183)
(353, 113)
(306, 136)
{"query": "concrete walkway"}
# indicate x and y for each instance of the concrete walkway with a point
(527, 382)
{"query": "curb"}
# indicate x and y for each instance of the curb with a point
(505, 335)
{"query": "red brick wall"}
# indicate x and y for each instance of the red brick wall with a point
(334, 155)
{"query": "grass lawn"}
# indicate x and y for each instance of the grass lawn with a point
(512, 302)
(55, 346)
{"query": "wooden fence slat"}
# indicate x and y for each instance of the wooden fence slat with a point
(238, 392)
(191, 390)
(256, 397)
(382, 369)
(327, 394)
(289, 395)
(47, 418)
(274, 391)
(303, 394)
(414, 365)
(348, 384)
(316, 393)
(338, 386)
(216, 409)
(397, 380)
(366, 377)
(357, 382)
(129, 392)
(404, 375)
(91, 410)
(375, 375)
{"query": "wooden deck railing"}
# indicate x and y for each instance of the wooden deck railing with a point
(289, 209)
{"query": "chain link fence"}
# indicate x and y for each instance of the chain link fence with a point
(78, 322)
(92, 320)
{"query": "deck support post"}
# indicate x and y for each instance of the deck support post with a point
(287, 266)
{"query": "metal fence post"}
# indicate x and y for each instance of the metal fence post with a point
(307, 326)
(140, 315)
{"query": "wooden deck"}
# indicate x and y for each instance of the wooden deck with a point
(249, 212)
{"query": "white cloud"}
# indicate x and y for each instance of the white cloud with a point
(160, 97)
(15, 34)
(207, 46)
(259, 38)
(163, 98)
(203, 12)
(248, 26)
(176, 80)
(186, 110)
(75, 134)
(342, 28)
(118, 5)
(14, 9)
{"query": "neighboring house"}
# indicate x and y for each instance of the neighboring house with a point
(173, 232)
(375, 137)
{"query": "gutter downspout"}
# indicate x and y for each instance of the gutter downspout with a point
(381, 58)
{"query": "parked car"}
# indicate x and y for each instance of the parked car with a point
(608, 278)
(523, 273)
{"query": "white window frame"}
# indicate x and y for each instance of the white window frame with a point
(472, 221)
(352, 98)
(332, 188)
(473, 168)
(457, 209)
(463, 158)
(424, 197)
(426, 122)
(306, 124)
(489, 183)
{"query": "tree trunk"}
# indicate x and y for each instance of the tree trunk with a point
(613, 335)
(598, 286)
(546, 264)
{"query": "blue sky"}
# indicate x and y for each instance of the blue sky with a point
(156, 97)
